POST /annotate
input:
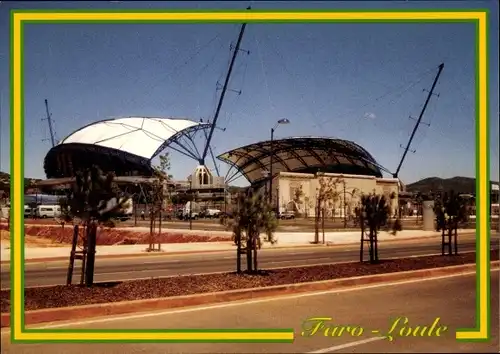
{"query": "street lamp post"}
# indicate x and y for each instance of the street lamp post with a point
(281, 121)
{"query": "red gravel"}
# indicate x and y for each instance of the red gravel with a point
(62, 296)
(113, 236)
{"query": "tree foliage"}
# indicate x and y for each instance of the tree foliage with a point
(375, 210)
(298, 199)
(450, 209)
(95, 199)
(160, 193)
(374, 214)
(254, 216)
(326, 197)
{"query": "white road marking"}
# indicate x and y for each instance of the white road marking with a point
(243, 302)
(167, 262)
(347, 345)
(53, 268)
(302, 260)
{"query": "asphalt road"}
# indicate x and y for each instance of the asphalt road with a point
(373, 308)
(50, 273)
(294, 225)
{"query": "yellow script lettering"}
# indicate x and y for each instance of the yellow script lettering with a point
(312, 325)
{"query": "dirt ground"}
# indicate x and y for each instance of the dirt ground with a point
(31, 241)
(54, 235)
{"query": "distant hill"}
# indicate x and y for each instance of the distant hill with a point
(464, 185)
(5, 181)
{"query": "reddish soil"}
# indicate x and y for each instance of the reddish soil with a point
(112, 236)
(41, 222)
(74, 295)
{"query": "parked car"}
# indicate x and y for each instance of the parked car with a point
(193, 215)
(287, 215)
(212, 213)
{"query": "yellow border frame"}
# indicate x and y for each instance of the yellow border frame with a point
(19, 333)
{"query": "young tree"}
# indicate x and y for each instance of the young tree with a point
(374, 214)
(450, 209)
(352, 202)
(298, 196)
(96, 200)
(326, 196)
(253, 216)
(419, 200)
(160, 196)
(307, 206)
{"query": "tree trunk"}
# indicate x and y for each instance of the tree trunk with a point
(69, 275)
(238, 254)
(372, 246)
(255, 261)
(135, 214)
(449, 227)
(455, 234)
(249, 251)
(361, 248)
(323, 223)
(91, 249)
(151, 229)
(159, 232)
(316, 221)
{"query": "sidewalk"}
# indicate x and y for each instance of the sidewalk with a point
(285, 240)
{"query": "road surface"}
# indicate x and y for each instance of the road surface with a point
(295, 225)
(51, 273)
(451, 298)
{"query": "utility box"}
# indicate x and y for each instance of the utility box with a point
(428, 215)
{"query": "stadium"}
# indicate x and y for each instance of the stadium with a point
(298, 163)
(123, 145)
(127, 146)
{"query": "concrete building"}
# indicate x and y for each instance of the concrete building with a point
(298, 192)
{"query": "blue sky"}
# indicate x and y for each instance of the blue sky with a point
(359, 82)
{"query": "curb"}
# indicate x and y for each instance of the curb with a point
(124, 307)
(158, 254)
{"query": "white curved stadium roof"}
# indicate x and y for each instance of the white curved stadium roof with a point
(141, 136)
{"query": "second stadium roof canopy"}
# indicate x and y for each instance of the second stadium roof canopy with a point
(123, 145)
(300, 154)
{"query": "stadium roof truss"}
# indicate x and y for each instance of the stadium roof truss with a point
(299, 154)
(142, 136)
(124, 145)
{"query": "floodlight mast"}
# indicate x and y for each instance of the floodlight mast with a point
(223, 93)
(417, 124)
(49, 120)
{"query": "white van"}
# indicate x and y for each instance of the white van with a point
(4, 212)
(28, 212)
(189, 212)
(48, 211)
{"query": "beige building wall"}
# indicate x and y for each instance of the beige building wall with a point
(349, 189)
